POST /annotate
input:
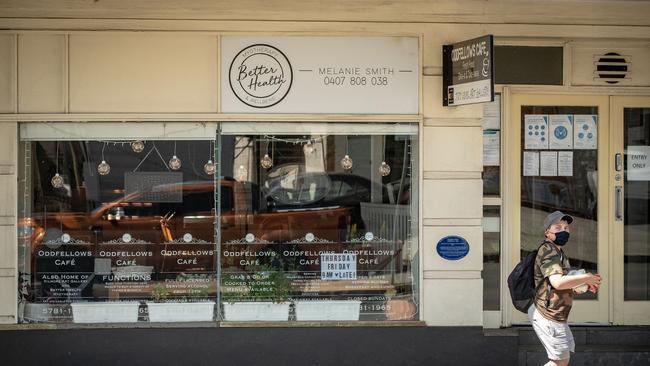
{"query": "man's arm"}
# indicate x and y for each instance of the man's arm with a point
(562, 282)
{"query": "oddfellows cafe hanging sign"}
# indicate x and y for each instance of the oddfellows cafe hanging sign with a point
(468, 72)
(374, 75)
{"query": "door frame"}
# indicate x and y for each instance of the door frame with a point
(633, 312)
(584, 311)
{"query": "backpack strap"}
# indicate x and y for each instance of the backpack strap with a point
(549, 287)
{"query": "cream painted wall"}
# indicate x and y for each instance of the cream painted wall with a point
(453, 149)
(136, 72)
(42, 73)
(8, 239)
(452, 199)
(450, 301)
(7, 73)
(452, 194)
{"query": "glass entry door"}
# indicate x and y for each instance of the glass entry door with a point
(630, 181)
(559, 162)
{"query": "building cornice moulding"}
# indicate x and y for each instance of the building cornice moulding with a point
(411, 11)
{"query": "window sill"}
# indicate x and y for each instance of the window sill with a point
(223, 324)
(322, 324)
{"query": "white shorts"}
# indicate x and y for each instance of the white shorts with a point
(556, 337)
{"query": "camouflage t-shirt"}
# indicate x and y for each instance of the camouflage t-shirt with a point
(551, 260)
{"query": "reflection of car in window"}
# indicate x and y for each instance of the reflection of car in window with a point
(291, 190)
(290, 186)
(290, 203)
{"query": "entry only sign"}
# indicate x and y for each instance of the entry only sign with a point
(638, 163)
(468, 72)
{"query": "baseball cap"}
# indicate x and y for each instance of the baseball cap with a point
(556, 216)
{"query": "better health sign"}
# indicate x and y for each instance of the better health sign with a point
(286, 74)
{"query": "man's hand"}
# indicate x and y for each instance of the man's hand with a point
(593, 282)
(592, 279)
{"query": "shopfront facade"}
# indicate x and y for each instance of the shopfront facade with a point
(267, 170)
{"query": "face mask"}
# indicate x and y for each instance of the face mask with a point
(561, 238)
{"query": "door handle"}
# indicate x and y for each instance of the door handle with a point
(618, 162)
(618, 203)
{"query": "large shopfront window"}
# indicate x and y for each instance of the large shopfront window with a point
(136, 222)
(320, 216)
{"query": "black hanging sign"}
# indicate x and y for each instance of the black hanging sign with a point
(468, 72)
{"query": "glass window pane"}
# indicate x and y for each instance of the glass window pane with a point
(637, 204)
(491, 122)
(491, 273)
(326, 220)
(302, 224)
(111, 230)
(559, 173)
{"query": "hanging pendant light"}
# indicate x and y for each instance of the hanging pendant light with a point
(57, 180)
(103, 168)
(347, 163)
(175, 163)
(308, 148)
(267, 161)
(137, 146)
(242, 174)
(209, 167)
(384, 168)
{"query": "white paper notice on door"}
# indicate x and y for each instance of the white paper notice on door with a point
(548, 163)
(638, 163)
(491, 148)
(531, 164)
(565, 163)
(585, 131)
(561, 131)
(536, 131)
(492, 114)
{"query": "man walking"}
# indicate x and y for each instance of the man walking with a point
(554, 291)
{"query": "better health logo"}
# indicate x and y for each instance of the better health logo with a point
(260, 76)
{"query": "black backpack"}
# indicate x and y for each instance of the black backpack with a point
(521, 282)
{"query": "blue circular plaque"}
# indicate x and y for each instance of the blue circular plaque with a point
(452, 248)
